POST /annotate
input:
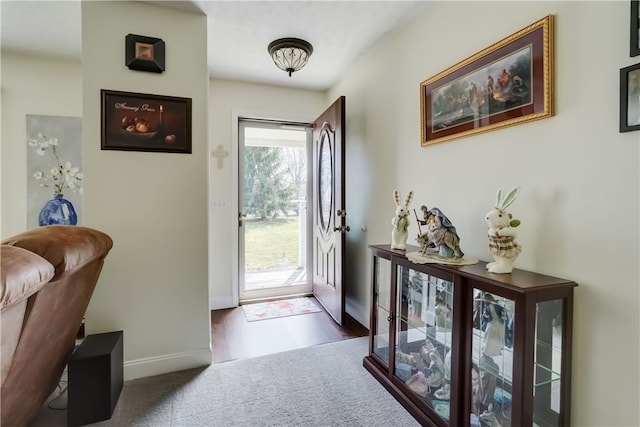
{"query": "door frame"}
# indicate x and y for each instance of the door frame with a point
(236, 115)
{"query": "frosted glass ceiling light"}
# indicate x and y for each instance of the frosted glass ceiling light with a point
(290, 54)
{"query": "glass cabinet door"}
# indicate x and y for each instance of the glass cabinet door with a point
(492, 359)
(423, 337)
(491, 373)
(548, 363)
(382, 307)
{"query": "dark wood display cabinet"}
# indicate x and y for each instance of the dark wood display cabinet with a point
(458, 346)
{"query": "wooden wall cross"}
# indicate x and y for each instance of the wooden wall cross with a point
(220, 153)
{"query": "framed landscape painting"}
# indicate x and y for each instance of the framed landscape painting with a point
(508, 83)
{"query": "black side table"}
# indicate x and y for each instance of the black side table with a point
(95, 372)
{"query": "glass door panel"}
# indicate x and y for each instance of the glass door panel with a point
(492, 359)
(548, 363)
(424, 337)
(273, 219)
(382, 306)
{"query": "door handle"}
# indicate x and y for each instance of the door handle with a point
(342, 229)
(240, 216)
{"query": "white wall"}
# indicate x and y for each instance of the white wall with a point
(228, 99)
(579, 203)
(573, 169)
(154, 283)
(30, 85)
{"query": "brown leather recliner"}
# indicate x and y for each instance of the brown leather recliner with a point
(48, 277)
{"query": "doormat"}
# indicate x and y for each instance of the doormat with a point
(279, 308)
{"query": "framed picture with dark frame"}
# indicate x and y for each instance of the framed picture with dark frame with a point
(144, 53)
(508, 83)
(630, 98)
(144, 122)
(634, 30)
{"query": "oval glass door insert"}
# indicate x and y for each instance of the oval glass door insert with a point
(325, 190)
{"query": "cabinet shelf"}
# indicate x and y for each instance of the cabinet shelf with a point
(555, 376)
(456, 344)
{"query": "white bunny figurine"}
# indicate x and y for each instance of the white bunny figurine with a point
(400, 222)
(502, 235)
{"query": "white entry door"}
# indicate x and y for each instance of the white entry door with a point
(274, 221)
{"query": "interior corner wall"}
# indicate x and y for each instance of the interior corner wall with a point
(30, 85)
(579, 175)
(227, 98)
(154, 284)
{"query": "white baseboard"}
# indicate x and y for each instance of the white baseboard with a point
(166, 363)
(220, 303)
(361, 314)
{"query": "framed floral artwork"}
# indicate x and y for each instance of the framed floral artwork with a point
(145, 122)
(54, 170)
(508, 83)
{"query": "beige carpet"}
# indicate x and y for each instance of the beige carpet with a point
(324, 385)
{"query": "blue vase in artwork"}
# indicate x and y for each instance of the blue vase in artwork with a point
(58, 211)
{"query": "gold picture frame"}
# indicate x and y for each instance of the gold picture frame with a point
(508, 83)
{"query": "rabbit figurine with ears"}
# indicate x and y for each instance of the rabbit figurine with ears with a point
(502, 234)
(400, 222)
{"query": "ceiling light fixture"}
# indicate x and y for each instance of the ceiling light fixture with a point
(290, 54)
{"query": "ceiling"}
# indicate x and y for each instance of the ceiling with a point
(238, 33)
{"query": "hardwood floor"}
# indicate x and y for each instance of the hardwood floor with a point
(233, 337)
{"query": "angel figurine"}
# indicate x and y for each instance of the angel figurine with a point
(441, 236)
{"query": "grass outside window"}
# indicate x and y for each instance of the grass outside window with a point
(271, 244)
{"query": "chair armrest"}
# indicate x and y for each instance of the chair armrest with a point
(23, 273)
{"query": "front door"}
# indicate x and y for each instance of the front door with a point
(329, 223)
